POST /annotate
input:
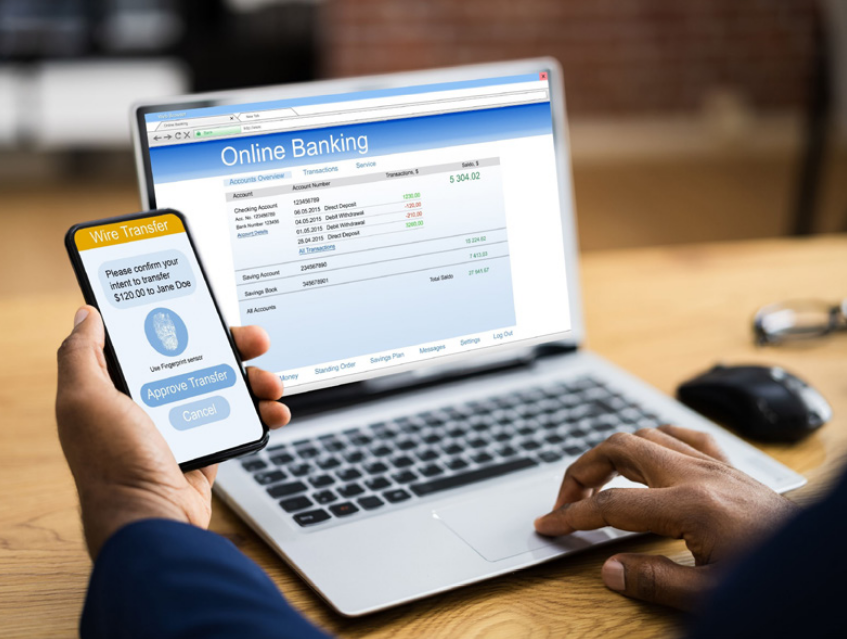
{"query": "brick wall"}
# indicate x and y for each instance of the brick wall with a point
(619, 56)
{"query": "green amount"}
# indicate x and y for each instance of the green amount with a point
(465, 177)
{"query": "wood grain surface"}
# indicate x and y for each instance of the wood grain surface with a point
(664, 314)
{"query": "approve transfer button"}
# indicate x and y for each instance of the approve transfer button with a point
(188, 385)
(204, 411)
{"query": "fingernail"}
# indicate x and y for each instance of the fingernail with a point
(613, 575)
(81, 314)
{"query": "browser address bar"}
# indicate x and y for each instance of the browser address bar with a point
(379, 113)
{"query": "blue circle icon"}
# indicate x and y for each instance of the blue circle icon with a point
(166, 332)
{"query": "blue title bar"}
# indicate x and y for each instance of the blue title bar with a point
(299, 148)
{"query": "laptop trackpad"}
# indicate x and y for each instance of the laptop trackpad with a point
(498, 523)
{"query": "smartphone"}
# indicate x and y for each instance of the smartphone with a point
(167, 345)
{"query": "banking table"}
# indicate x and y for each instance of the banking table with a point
(662, 313)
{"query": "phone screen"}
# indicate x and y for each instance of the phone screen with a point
(168, 338)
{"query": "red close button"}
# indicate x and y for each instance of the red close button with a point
(542, 75)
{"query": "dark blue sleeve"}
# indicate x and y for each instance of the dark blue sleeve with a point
(163, 579)
(794, 585)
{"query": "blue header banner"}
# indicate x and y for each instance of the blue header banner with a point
(227, 109)
(269, 151)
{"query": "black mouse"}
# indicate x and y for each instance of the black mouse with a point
(759, 402)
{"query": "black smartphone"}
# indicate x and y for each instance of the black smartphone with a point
(167, 345)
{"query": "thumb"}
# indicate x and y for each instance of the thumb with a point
(656, 579)
(81, 357)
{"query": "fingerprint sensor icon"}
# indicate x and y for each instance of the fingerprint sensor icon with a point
(166, 332)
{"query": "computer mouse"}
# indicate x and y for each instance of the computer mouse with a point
(764, 403)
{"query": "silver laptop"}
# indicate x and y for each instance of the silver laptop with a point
(408, 241)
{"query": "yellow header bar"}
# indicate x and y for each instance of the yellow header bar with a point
(130, 231)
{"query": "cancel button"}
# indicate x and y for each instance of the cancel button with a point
(204, 411)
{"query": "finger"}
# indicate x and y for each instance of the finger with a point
(668, 441)
(633, 509)
(703, 442)
(274, 414)
(656, 579)
(264, 384)
(621, 454)
(210, 472)
(80, 357)
(251, 341)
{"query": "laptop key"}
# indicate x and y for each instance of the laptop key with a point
(431, 470)
(457, 463)
(403, 462)
(427, 455)
(300, 469)
(321, 480)
(506, 451)
(377, 483)
(350, 490)
(276, 447)
(295, 503)
(308, 452)
(282, 458)
(550, 456)
(269, 477)
(284, 490)
(371, 502)
(470, 477)
(381, 451)
(406, 444)
(328, 463)
(325, 497)
(348, 474)
(253, 465)
(482, 458)
(405, 477)
(342, 510)
(453, 449)
(574, 450)
(398, 494)
(375, 468)
(354, 456)
(311, 517)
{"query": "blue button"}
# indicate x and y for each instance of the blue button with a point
(199, 413)
(188, 385)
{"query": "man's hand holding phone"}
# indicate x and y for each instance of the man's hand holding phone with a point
(123, 468)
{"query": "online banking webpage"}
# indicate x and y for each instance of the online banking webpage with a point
(369, 230)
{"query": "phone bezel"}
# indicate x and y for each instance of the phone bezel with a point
(112, 361)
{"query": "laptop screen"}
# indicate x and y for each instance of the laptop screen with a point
(375, 231)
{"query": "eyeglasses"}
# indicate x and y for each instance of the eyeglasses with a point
(797, 321)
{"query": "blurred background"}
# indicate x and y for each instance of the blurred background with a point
(690, 121)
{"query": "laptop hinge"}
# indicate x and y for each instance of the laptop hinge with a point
(321, 401)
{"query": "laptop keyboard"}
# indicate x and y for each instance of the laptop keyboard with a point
(375, 466)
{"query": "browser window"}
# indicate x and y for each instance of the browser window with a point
(371, 231)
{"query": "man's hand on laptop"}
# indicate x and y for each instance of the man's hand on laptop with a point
(124, 470)
(692, 494)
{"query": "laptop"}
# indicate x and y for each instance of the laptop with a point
(408, 241)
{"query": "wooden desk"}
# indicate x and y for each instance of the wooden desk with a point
(664, 314)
